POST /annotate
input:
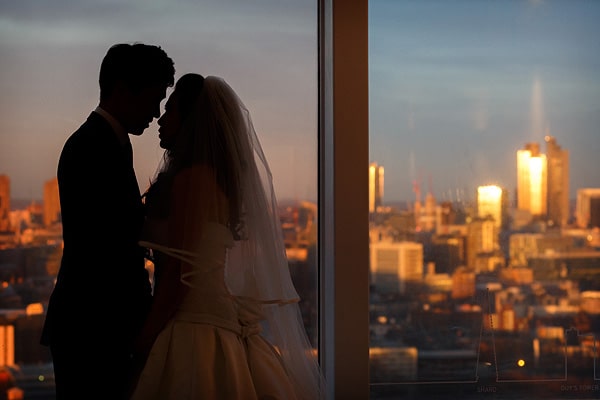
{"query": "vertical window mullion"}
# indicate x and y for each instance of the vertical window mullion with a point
(343, 197)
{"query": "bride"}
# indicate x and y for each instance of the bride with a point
(225, 321)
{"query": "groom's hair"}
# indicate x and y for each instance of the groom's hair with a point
(137, 66)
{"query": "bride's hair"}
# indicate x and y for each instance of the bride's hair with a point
(202, 141)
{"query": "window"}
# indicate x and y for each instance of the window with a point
(267, 51)
(483, 117)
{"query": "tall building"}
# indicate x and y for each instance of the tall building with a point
(532, 180)
(426, 218)
(7, 345)
(481, 238)
(395, 265)
(375, 187)
(4, 203)
(543, 181)
(587, 209)
(492, 201)
(51, 202)
(558, 182)
(595, 212)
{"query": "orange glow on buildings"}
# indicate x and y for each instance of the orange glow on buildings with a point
(532, 180)
(489, 203)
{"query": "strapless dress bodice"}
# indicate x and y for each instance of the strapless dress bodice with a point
(208, 299)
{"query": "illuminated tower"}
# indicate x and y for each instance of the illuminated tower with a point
(4, 203)
(531, 180)
(558, 182)
(375, 187)
(51, 202)
(489, 203)
(492, 201)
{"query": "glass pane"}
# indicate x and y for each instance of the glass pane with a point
(484, 234)
(50, 56)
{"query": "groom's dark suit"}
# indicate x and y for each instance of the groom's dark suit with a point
(102, 291)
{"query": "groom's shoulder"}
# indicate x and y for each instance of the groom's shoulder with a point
(92, 130)
(95, 124)
(91, 138)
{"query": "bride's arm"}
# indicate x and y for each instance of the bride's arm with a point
(195, 199)
(168, 293)
(168, 290)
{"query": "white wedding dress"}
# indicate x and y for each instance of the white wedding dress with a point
(213, 347)
(238, 333)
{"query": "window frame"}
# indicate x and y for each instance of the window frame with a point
(343, 197)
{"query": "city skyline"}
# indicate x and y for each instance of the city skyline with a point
(456, 88)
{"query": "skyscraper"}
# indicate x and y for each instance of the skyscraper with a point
(543, 181)
(51, 202)
(558, 182)
(532, 180)
(587, 212)
(4, 203)
(492, 202)
(375, 187)
(481, 238)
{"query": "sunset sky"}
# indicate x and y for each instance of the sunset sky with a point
(456, 87)
(50, 54)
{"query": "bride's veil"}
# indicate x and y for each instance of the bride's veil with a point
(220, 134)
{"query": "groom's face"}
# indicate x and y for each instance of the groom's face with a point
(144, 107)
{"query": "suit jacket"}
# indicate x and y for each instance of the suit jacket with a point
(102, 292)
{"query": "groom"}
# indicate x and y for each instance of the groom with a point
(102, 291)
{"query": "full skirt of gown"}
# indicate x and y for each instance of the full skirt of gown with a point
(192, 360)
(213, 347)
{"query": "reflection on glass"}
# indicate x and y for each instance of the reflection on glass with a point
(485, 249)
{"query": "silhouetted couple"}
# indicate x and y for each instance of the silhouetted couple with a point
(222, 319)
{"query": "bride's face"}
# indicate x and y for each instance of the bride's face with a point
(169, 123)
